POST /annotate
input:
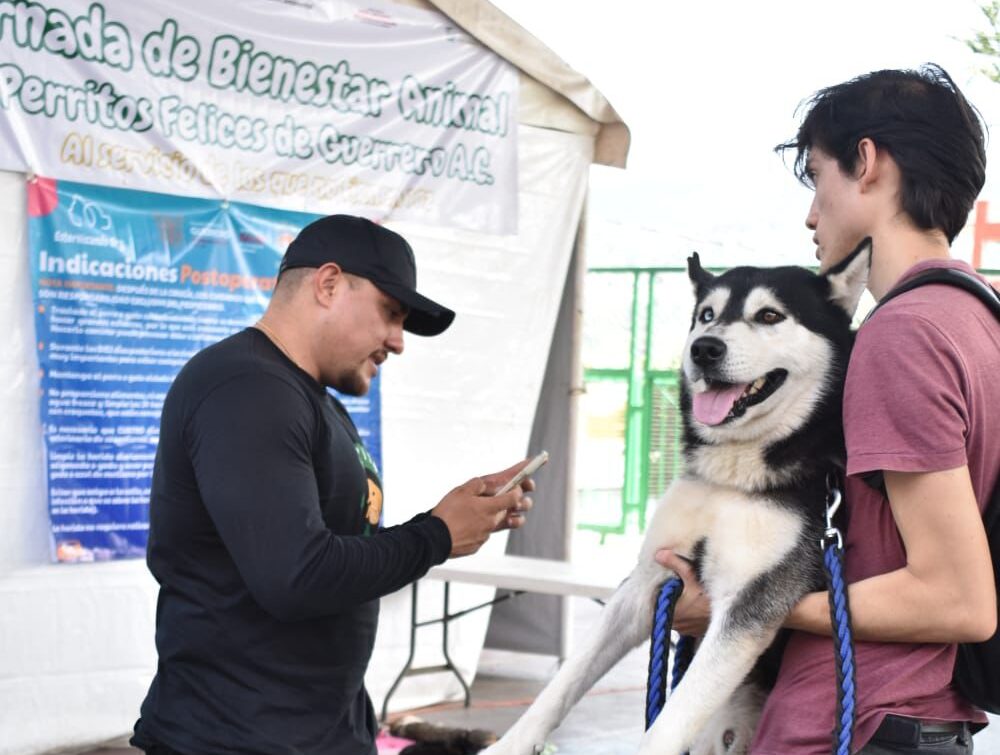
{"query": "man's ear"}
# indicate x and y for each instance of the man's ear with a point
(849, 277)
(325, 281)
(868, 167)
(697, 274)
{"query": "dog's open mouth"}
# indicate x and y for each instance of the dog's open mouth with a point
(724, 402)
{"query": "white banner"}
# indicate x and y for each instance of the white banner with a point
(315, 105)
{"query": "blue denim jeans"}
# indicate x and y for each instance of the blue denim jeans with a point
(902, 736)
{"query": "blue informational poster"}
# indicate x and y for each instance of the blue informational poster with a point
(127, 286)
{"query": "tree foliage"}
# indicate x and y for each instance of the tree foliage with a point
(988, 42)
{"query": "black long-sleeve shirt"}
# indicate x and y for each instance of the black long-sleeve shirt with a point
(262, 496)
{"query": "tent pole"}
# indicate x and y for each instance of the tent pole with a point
(576, 390)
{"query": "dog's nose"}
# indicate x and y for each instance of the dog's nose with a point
(707, 351)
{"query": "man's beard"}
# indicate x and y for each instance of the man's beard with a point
(351, 383)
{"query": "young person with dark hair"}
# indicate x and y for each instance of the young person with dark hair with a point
(897, 156)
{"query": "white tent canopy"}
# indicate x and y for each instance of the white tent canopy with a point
(77, 640)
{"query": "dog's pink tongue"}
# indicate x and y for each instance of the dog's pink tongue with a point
(712, 406)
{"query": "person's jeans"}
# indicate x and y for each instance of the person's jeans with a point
(900, 736)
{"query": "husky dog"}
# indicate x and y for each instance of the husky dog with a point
(763, 375)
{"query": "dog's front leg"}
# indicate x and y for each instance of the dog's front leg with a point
(624, 623)
(724, 658)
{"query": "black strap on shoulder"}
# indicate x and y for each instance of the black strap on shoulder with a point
(949, 276)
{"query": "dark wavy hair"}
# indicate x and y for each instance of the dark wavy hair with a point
(935, 136)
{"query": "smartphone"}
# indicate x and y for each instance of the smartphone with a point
(530, 469)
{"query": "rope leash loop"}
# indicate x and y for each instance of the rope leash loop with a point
(659, 649)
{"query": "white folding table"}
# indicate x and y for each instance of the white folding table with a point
(513, 574)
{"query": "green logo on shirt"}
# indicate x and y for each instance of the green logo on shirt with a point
(371, 502)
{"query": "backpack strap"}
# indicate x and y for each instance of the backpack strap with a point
(949, 276)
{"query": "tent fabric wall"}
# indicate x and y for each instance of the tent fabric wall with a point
(24, 527)
(538, 623)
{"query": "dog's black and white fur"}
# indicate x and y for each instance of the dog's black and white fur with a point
(763, 374)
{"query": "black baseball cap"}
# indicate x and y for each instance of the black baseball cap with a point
(368, 250)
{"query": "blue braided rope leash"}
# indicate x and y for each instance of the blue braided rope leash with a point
(840, 618)
(659, 650)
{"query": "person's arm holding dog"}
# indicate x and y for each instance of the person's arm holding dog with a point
(908, 416)
(945, 593)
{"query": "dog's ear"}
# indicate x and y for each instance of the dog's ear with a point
(698, 275)
(848, 278)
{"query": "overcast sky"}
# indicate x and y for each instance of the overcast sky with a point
(708, 89)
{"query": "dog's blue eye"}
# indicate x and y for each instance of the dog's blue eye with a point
(707, 315)
(768, 317)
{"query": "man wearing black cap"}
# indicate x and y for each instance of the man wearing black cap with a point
(265, 508)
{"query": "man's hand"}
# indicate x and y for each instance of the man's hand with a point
(693, 609)
(472, 513)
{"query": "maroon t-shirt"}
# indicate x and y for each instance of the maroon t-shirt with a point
(922, 395)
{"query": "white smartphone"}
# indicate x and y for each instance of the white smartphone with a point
(530, 469)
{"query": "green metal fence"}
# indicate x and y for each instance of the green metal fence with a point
(635, 440)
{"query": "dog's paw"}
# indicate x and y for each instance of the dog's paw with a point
(503, 748)
(519, 743)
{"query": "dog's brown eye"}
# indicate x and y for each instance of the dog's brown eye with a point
(706, 315)
(768, 317)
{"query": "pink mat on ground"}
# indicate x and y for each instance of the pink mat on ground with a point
(390, 745)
